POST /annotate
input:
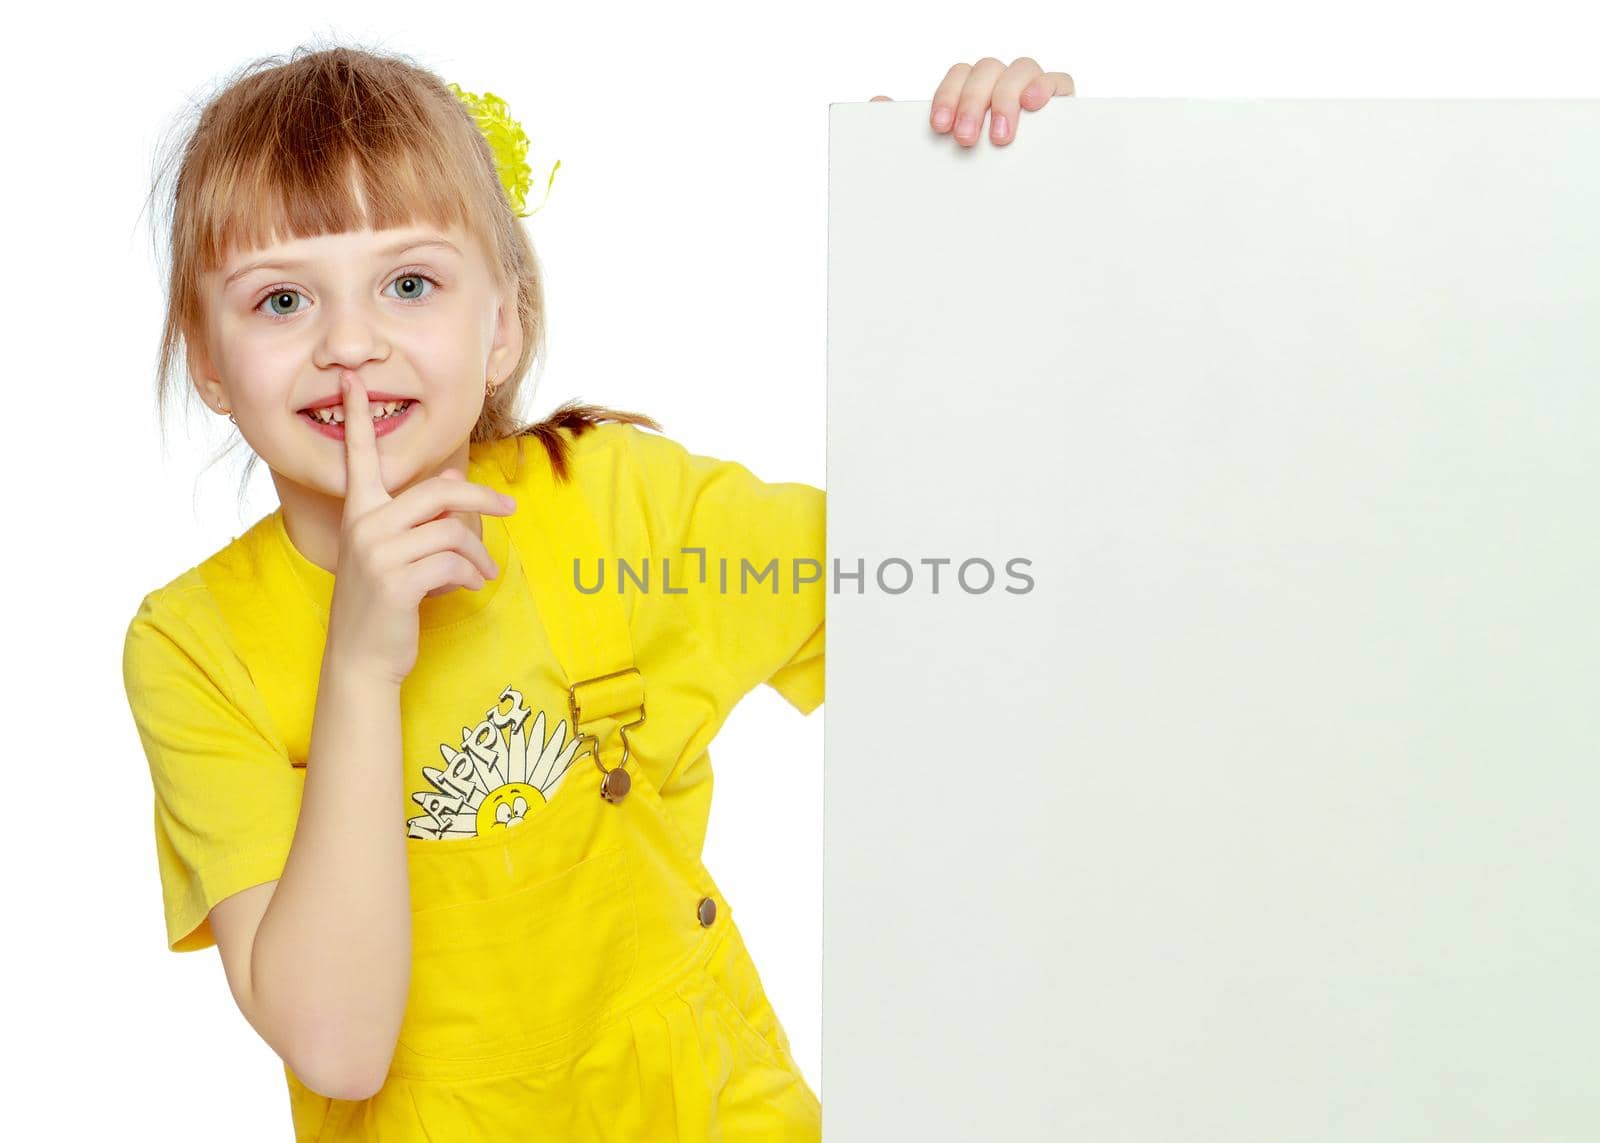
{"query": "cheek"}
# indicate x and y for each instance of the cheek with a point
(259, 382)
(461, 404)
(248, 353)
(442, 352)
(452, 379)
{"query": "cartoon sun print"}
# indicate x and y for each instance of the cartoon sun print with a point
(504, 771)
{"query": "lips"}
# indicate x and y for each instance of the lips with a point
(380, 428)
(374, 397)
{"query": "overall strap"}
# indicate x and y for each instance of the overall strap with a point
(553, 531)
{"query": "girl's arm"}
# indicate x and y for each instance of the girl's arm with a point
(319, 961)
(325, 974)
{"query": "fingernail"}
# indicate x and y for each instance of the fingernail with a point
(999, 124)
(508, 501)
(965, 125)
(941, 118)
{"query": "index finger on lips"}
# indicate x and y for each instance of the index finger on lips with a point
(363, 481)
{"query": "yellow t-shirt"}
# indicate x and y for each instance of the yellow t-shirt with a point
(485, 708)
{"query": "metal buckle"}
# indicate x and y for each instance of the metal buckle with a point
(576, 713)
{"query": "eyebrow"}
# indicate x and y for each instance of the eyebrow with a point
(387, 252)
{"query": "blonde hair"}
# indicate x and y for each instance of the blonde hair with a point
(280, 151)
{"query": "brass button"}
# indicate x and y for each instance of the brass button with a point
(614, 786)
(708, 911)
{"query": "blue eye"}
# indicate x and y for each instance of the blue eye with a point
(418, 279)
(286, 294)
(276, 296)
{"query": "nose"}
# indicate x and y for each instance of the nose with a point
(351, 334)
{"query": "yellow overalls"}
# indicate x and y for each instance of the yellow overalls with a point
(578, 977)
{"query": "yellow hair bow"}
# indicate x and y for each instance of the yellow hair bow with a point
(509, 145)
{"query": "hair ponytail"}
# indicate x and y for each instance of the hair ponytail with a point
(578, 418)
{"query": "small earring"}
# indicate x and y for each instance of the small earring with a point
(490, 386)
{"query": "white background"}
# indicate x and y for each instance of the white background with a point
(684, 250)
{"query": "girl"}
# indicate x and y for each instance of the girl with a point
(540, 952)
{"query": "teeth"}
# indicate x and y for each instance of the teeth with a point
(334, 414)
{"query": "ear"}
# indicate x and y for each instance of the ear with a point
(207, 382)
(507, 348)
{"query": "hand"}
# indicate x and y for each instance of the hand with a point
(395, 551)
(971, 90)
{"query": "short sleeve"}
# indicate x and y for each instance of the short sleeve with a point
(226, 795)
(748, 556)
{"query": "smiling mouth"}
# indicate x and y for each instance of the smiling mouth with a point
(334, 414)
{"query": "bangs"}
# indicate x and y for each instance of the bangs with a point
(324, 159)
(281, 203)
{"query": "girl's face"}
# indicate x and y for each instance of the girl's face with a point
(414, 312)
